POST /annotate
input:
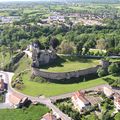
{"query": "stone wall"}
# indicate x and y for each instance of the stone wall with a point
(64, 75)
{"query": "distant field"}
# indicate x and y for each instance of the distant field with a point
(65, 64)
(31, 113)
(4, 13)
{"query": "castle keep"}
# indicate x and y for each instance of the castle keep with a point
(41, 57)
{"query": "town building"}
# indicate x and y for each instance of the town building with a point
(49, 116)
(56, 18)
(117, 101)
(17, 101)
(80, 101)
(108, 92)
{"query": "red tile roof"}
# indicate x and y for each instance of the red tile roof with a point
(80, 95)
(49, 116)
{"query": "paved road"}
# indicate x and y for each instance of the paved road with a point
(46, 101)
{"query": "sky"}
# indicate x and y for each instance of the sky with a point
(19, 0)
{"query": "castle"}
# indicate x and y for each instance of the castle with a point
(41, 57)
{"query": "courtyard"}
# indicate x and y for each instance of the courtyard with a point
(70, 63)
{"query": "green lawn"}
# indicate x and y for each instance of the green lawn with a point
(65, 64)
(4, 59)
(52, 89)
(115, 60)
(31, 113)
(23, 64)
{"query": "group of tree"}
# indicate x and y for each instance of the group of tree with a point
(112, 69)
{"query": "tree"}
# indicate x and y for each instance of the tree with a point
(67, 47)
(117, 116)
(102, 44)
(3, 51)
(79, 47)
(106, 116)
(54, 42)
(101, 72)
(113, 68)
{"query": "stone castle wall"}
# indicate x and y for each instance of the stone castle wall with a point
(64, 75)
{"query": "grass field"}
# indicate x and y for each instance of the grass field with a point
(65, 64)
(52, 89)
(31, 113)
(115, 60)
(4, 60)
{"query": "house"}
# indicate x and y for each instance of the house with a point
(108, 92)
(56, 18)
(117, 101)
(17, 100)
(80, 101)
(49, 116)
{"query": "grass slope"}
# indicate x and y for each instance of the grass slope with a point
(52, 89)
(31, 113)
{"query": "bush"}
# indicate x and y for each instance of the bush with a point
(101, 72)
(67, 47)
(113, 68)
(38, 79)
(19, 86)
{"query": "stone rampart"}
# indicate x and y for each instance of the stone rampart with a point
(64, 75)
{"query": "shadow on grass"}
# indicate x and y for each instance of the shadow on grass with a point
(60, 60)
(57, 63)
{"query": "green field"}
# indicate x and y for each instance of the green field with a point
(31, 113)
(4, 59)
(52, 89)
(66, 64)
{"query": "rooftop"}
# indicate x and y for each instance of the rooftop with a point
(49, 116)
(80, 95)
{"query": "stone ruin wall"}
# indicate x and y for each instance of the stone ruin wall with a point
(67, 75)
(64, 75)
